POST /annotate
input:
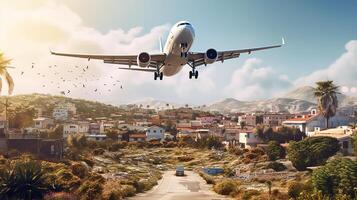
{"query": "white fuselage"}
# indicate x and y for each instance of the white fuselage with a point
(179, 41)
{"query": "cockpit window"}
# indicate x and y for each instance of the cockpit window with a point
(183, 23)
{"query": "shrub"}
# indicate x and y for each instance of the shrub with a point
(226, 187)
(128, 190)
(337, 177)
(98, 151)
(275, 151)
(66, 181)
(185, 158)
(92, 187)
(295, 188)
(60, 196)
(235, 150)
(276, 166)
(249, 193)
(209, 179)
(79, 169)
(312, 151)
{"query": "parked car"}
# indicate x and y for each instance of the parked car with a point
(180, 171)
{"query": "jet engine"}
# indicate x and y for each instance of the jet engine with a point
(211, 56)
(143, 59)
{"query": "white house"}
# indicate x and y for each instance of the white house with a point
(342, 134)
(155, 132)
(74, 128)
(248, 139)
(63, 111)
(314, 121)
(43, 122)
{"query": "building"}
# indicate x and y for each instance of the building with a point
(48, 149)
(64, 111)
(94, 128)
(248, 139)
(43, 123)
(155, 133)
(96, 137)
(276, 119)
(74, 128)
(312, 122)
(342, 134)
(137, 137)
(248, 119)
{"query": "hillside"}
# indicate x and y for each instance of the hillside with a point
(270, 105)
(307, 93)
(46, 103)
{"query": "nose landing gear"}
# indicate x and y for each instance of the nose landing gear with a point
(159, 75)
(183, 48)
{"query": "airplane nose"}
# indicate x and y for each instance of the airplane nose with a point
(188, 31)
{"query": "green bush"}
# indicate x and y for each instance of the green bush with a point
(276, 166)
(275, 151)
(312, 151)
(79, 170)
(337, 177)
(226, 187)
(248, 194)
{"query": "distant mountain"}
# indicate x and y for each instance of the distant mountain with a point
(299, 100)
(156, 104)
(270, 105)
(307, 93)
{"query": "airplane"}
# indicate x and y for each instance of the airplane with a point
(175, 54)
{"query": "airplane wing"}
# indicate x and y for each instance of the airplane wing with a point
(199, 57)
(130, 60)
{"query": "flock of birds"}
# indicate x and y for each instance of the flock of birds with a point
(67, 79)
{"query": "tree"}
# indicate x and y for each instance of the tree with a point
(112, 134)
(312, 151)
(242, 124)
(24, 180)
(326, 93)
(275, 151)
(337, 177)
(4, 65)
(354, 143)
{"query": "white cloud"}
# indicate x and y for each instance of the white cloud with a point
(343, 71)
(256, 81)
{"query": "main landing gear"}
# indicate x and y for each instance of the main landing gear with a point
(158, 75)
(193, 73)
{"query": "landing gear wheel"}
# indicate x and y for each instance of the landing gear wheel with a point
(196, 74)
(161, 75)
(190, 75)
(155, 76)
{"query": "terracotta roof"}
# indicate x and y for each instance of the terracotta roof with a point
(137, 135)
(301, 119)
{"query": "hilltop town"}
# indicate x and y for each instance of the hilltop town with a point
(131, 146)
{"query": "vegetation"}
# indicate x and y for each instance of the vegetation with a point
(276, 166)
(23, 179)
(312, 151)
(226, 187)
(4, 65)
(281, 135)
(337, 177)
(275, 151)
(326, 93)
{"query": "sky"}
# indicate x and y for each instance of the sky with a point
(320, 45)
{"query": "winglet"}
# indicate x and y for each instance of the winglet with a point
(282, 41)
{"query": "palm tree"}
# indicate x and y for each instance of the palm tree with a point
(24, 180)
(326, 93)
(4, 64)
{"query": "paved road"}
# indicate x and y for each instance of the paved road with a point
(171, 187)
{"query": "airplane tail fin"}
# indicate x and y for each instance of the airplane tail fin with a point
(160, 43)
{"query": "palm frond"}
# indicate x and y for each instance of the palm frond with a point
(10, 82)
